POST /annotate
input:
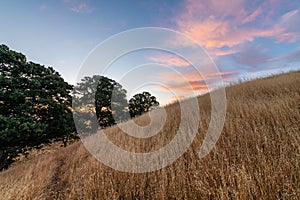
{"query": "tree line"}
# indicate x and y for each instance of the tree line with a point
(36, 106)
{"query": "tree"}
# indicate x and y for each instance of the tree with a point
(35, 106)
(101, 97)
(141, 103)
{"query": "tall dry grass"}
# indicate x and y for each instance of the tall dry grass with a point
(256, 157)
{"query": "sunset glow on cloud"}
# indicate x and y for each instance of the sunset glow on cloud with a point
(217, 24)
(242, 38)
(170, 60)
(239, 32)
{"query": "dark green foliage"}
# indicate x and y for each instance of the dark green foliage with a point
(141, 103)
(35, 105)
(101, 98)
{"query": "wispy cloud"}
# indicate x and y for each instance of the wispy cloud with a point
(290, 57)
(169, 60)
(190, 81)
(82, 8)
(78, 6)
(251, 55)
(217, 24)
(287, 16)
(237, 32)
(253, 16)
(289, 26)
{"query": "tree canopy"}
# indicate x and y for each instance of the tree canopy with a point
(35, 105)
(141, 103)
(102, 96)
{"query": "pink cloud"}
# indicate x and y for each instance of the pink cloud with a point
(289, 37)
(190, 81)
(216, 24)
(218, 34)
(287, 16)
(288, 21)
(252, 55)
(170, 60)
(195, 9)
(218, 52)
(253, 16)
(181, 84)
(228, 28)
(177, 98)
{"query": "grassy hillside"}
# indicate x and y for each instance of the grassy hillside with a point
(256, 157)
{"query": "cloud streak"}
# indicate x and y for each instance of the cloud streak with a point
(78, 6)
(190, 81)
(169, 60)
(251, 55)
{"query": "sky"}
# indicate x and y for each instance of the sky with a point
(244, 39)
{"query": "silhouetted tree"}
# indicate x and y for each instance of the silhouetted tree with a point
(141, 103)
(99, 97)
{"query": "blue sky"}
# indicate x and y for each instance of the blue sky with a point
(245, 39)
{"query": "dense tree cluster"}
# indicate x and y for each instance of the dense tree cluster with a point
(36, 105)
(99, 97)
(141, 103)
(104, 99)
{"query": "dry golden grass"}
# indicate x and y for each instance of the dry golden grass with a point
(256, 157)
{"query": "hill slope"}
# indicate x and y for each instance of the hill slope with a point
(256, 157)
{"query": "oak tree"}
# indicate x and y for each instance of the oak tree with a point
(35, 105)
(101, 98)
(141, 103)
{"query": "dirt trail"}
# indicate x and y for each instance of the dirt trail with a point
(52, 190)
